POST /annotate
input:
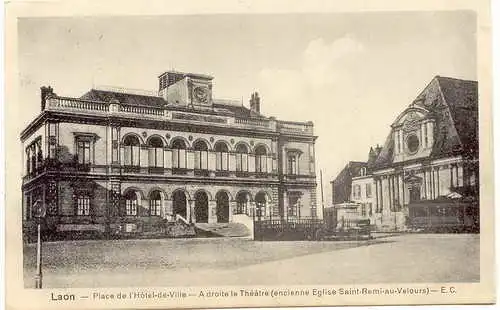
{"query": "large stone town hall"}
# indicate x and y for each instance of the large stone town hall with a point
(118, 160)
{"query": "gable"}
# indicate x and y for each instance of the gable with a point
(442, 121)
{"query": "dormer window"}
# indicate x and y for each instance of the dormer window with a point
(362, 172)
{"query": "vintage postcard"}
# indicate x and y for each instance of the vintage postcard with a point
(248, 154)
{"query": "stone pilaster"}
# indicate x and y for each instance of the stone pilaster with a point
(212, 211)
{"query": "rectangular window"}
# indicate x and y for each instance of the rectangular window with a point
(363, 209)
(156, 157)
(221, 161)
(179, 158)
(83, 152)
(242, 162)
(83, 205)
(131, 207)
(261, 163)
(154, 207)
(201, 160)
(292, 164)
(52, 139)
(368, 190)
(241, 207)
(293, 205)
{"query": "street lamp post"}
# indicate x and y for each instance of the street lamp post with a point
(40, 211)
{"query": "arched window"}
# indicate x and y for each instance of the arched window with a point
(155, 153)
(241, 158)
(131, 204)
(131, 151)
(155, 203)
(260, 159)
(200, 155)
(221, 157)
(179, 154)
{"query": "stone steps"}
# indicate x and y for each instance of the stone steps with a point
(222, 230)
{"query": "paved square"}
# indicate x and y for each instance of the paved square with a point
(205, 262)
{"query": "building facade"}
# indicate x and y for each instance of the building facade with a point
(112, 159)
(342, 184)
(429, 162)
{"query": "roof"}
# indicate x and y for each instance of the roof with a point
(351, 169)
(462, 99)
(232, 107)
(453, 103)
(124, 98)
(239, 110)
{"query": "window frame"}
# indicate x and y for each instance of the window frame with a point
(84, 137)
(85, 208)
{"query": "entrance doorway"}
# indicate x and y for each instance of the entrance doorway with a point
(260, 205)
(222, 207)
(414, 193)
(201, 207)
(179, 203)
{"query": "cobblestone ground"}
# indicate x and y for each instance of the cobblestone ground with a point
(205, 262)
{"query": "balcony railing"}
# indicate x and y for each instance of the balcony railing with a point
(156, 170)
(221, 173)
(131, 169)
(201, 173)
(164, 113)
(180, 171)
(77, 104)
(296, 128)
(252, 122)
(141, 110)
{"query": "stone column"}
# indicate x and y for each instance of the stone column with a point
(190, 159)
(167, 208)
(269, 164)
(232, 209)
(401, 191)
(211, 161)
(144, 156)
(232, 162)
(167, 158)
(285, 204)
(189, 214)
(438, 182)
(460, 175)
(212, 211)
(376, 196)
(251, 208)
(251, 163)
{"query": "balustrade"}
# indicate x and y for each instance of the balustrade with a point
(61, 103)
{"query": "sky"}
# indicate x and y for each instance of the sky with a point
(351, 74)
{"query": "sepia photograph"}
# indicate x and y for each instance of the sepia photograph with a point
(275, 155)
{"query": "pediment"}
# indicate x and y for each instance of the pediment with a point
(410, 117)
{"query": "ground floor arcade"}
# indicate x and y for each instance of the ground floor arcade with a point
(103, 205)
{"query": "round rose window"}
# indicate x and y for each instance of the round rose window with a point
(412, 143)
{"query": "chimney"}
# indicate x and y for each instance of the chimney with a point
(45, 91)
(255, 103)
